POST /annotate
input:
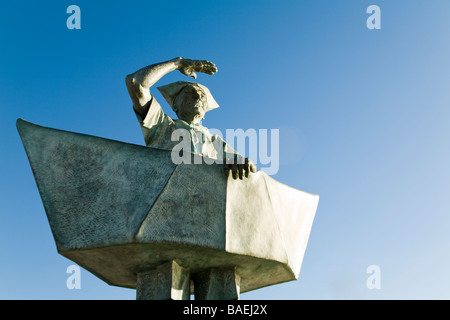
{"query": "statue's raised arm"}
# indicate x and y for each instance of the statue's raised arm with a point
(139, 83)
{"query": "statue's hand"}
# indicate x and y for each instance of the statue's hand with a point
(239, 168)
(188, 67)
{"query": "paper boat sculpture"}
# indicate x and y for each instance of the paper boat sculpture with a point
(116, 209)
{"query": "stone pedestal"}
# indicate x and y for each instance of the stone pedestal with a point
(217, 284)
(169, 281)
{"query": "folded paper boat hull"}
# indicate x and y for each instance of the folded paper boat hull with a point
(117, 209)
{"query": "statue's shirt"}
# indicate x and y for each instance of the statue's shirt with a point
(157, 128)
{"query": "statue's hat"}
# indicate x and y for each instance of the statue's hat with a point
(171, 91)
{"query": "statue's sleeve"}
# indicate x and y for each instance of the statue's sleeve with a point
(154, 123)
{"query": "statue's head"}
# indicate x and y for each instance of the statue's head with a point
(190, 103)
(188, 100)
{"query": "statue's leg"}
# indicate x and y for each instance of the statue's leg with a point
(217, 284)
(169, 281)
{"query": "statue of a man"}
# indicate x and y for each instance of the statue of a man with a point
(190, 101)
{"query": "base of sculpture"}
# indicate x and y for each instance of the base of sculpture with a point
(170, 281)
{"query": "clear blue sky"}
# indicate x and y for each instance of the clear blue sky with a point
(363, 117)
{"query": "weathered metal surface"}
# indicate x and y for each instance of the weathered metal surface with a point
(119, 209)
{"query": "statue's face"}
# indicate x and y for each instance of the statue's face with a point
(191, 102)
